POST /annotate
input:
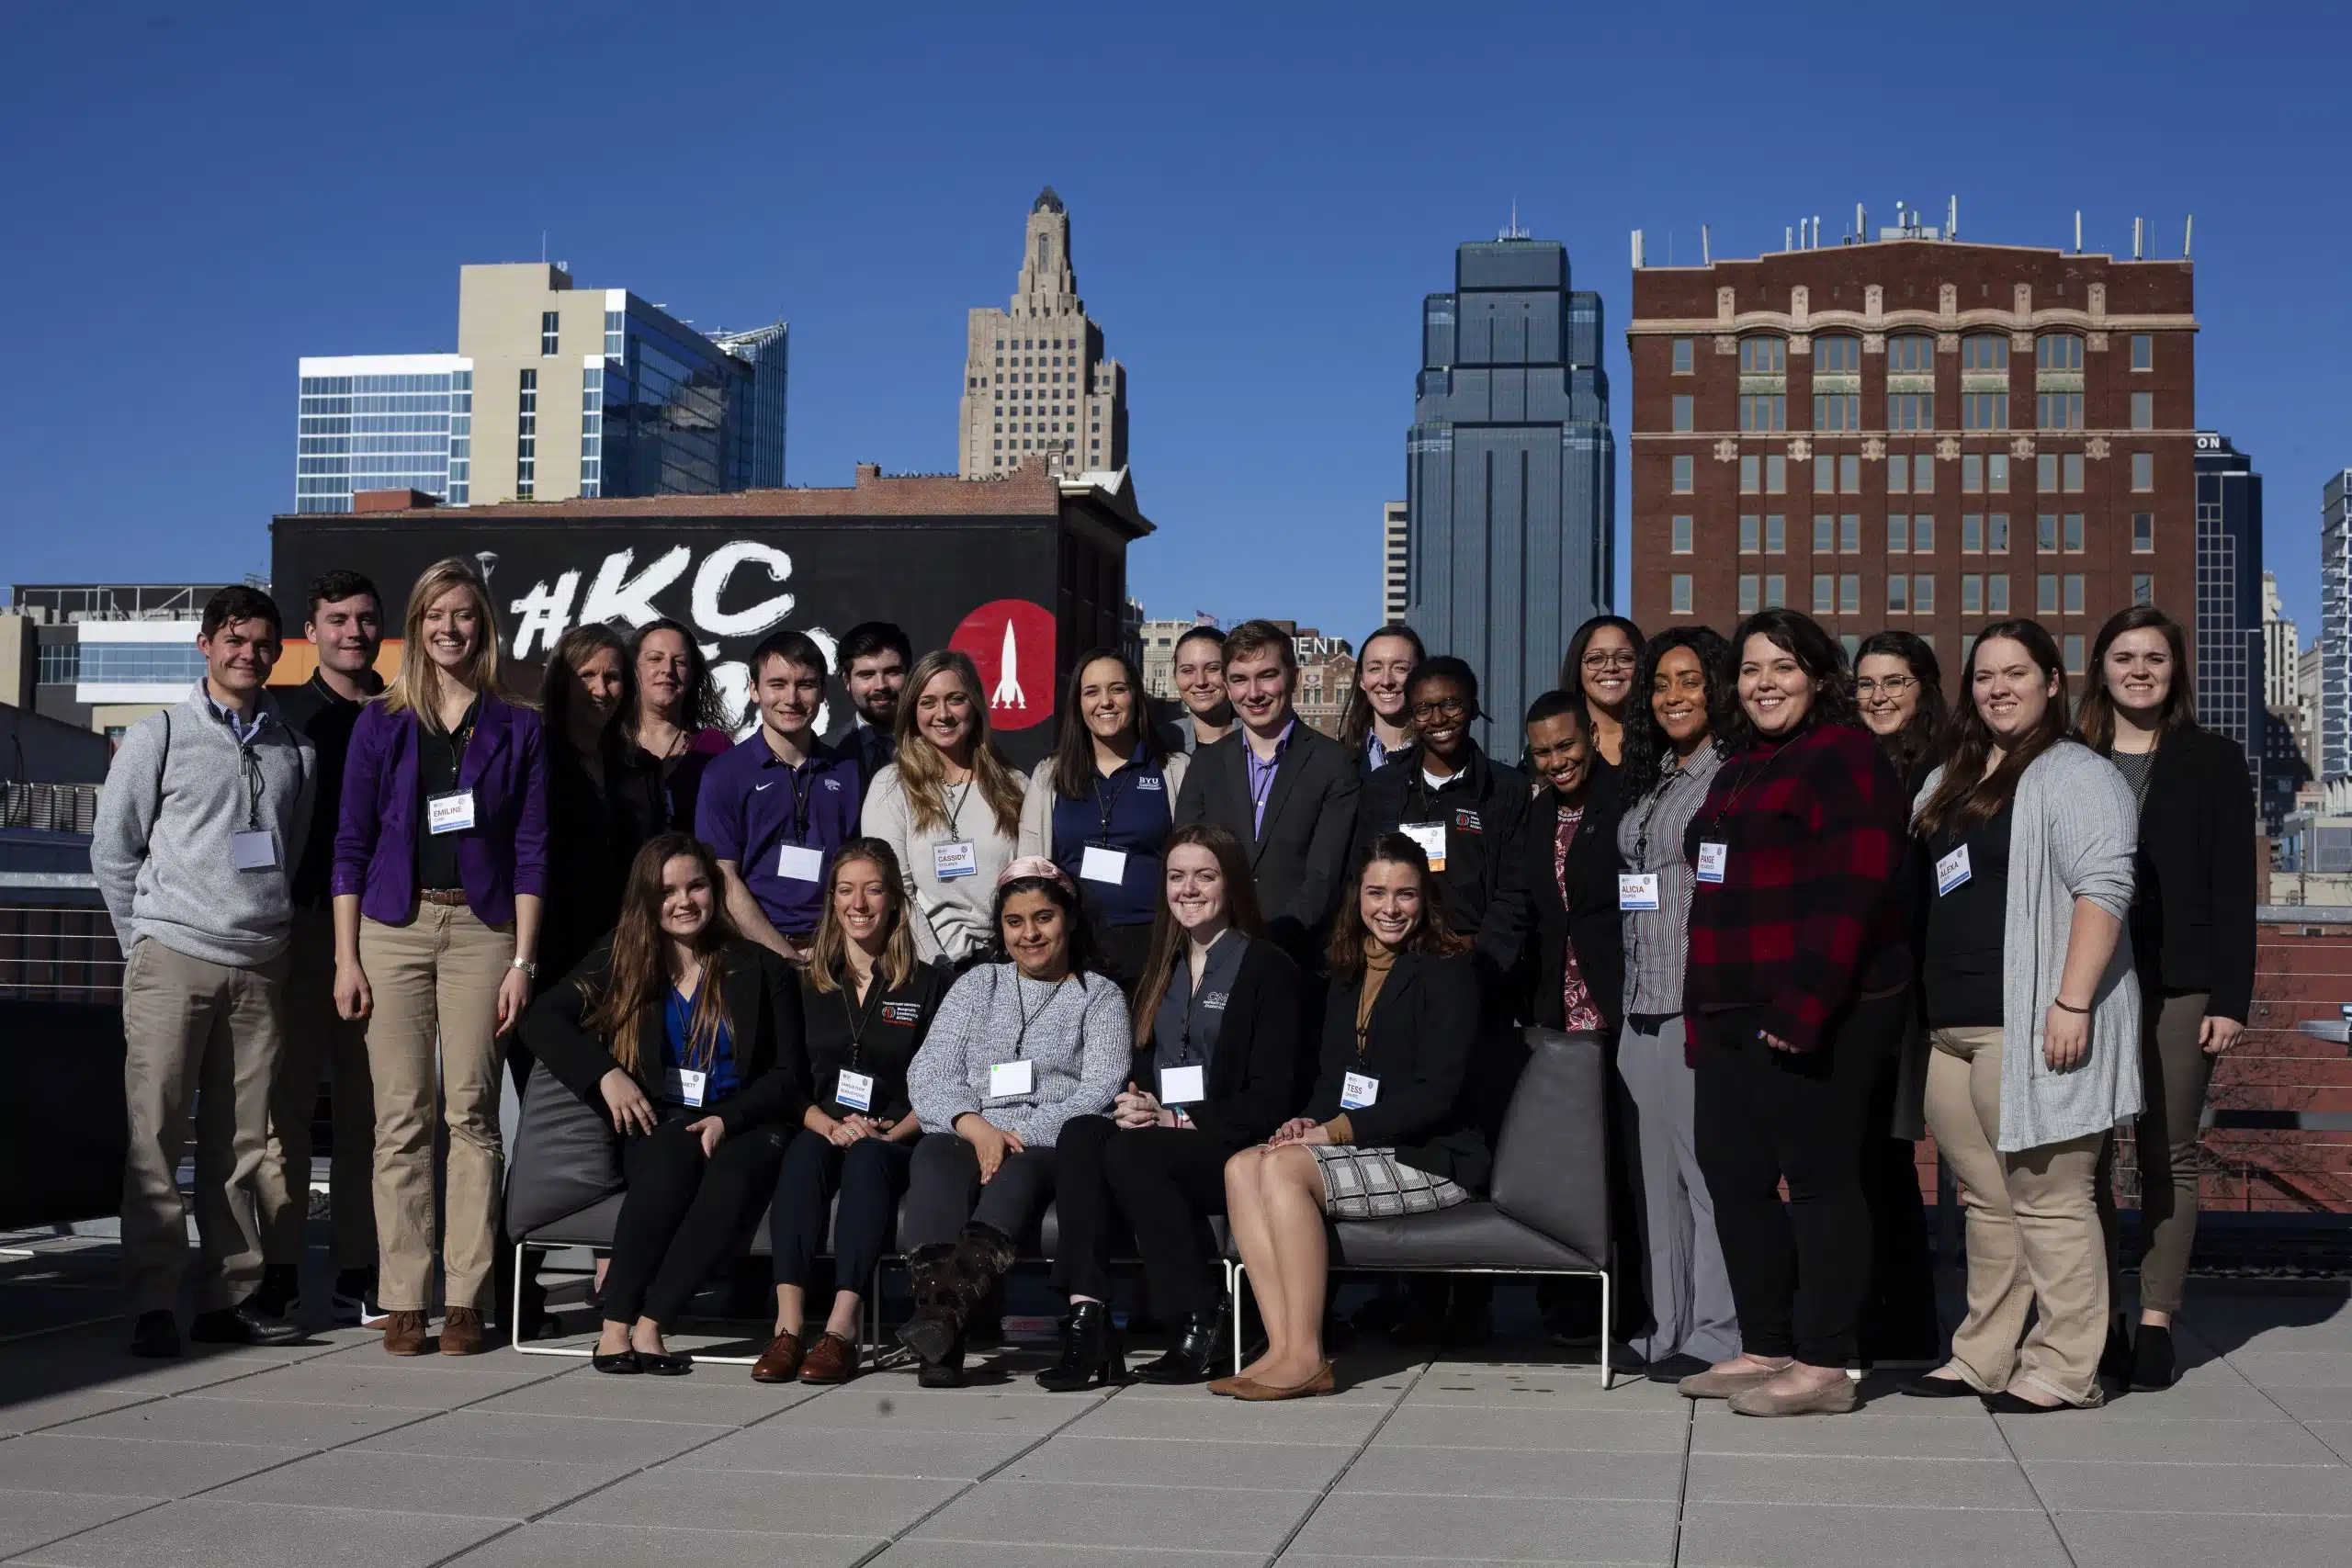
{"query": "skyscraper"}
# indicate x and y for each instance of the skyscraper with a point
(1395, 560)
(2229, 635)
(1510, 470)
(382, 421)
(2335, 647)
(2280, 647)
(1034, 379)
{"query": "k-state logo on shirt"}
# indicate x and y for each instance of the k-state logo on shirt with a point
(1149, 782)
(832, 783)
(903, 1012)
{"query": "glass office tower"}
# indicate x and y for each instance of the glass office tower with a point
(383, 422)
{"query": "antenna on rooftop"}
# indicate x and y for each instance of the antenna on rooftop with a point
(1860, 233)
(1951, 217)
(1637, 250)
(1514, 231)
(2187, 232)
(1706, 250)
(2078, 231)
(2136, 255)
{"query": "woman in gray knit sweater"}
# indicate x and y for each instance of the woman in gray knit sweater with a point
(1026, 1040)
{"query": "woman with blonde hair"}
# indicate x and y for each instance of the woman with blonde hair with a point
(440, 862)
(950, 846)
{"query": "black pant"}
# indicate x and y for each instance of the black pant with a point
(683, 1215)
(1899, 1312)
(944, 1192)
(870, 1175)
(1166, 1181)
(1799, 1270)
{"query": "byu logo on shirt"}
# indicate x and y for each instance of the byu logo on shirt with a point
(1150, 782)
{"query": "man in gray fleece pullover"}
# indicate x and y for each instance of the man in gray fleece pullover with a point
(204, 807)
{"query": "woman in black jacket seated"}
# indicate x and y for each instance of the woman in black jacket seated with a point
(689, 1036)
(865, 1004)
(1216, 1022)
(1385, 1132)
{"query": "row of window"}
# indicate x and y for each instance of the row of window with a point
(1764, 414)
(1912, 473)
(1912, 533)
(1024, 343)
(1840, 353)
(1980, 593)
(526, 437)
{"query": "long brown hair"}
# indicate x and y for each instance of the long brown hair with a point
(1922, 735)
(572, 649)
(1356, 722)
(1966, 795)
(921, 775)
(2094, 715)
(1168, 938)
(638, 982)
(1432, 933)
(1074, 772)
(828, 955)
(418, 685)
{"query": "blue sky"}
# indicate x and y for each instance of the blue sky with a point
(1261, 195)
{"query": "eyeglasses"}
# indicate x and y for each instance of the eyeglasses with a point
(1892, 686)
(1620, 661)
(1448, 707)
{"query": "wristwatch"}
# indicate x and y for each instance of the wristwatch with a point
(530, 969)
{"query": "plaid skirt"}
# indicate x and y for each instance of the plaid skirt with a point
(1372, 1184)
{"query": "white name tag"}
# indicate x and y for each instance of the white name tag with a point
(450, 813)
(856, 1090)
(954, 858)
(1952, 871)
(1713, 858)
(1183, 1086)
(1099, 864)
(1431, 836)
(1637, 890)
(685, 1085)
(253, 849)
(1007, 1080)
(1358, 1092)
(799, 863)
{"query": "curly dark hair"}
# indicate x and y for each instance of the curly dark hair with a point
(1647, 748)
(1084, 959)
(1921, 739)
(1817, 653)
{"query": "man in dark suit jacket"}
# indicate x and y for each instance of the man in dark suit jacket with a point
(1286, 790)
(873, 658)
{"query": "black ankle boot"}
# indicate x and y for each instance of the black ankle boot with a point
(1201, 1344)
(1091, 1349)
(2115, 1361)
(2153, 1366)
(935, 1326)
(945, 1372)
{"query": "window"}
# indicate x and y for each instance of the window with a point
(2071, 465)
(1923, 534)
(1681, 546)
(1996, 593)
(1824, 534)
(1682, 356)
(2144, 588)
(1837, 411)
(2143, 532)
(1747, 534)
(2144, 470)
(1776, 590)
(1972, 594)
(1971, 474)
(1898, 533)
(1971, 533)
(1850, 594)
(2058, 351)
(1682, 475)
(1985, 411)
(1763, 411)
(549, 324)
(1824, 474)
(1898, 476)
(1923, 474)
(1824, 594)
(1776, 476)
(1680, 594)
(1997, 472)
(1996, 534)
(1751, 475)
(2143, 351)
(526, 437)
(2073, 529)
(2045, 537)
(1985, 351)
(61, 663)
(2046, 594)
(1840, 353)
(2074, 654)
(1898, 594)
(1763, 356)
(1910, 354)
(1682, 402)
(2143, 411)
(1749, 590)
(1776, 534)
(1852, 643)
(2059, 411)
(1911, 410)
(1923, 595)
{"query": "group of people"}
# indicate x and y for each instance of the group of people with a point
(1216, 964)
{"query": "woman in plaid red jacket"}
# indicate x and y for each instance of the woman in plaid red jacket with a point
(1799, 968)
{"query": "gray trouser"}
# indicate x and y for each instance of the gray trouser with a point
(2175, 1071)
(1690, 1291)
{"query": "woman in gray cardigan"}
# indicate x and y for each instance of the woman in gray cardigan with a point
(2035, 1018)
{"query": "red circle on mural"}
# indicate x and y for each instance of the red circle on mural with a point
(1011, 640)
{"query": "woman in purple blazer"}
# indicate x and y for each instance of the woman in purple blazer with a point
(439, 864)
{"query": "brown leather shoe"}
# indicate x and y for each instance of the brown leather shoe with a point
(779, 1361)
(832, 1360)
(461, 1332)
(1257, 1392)
(404, 1334)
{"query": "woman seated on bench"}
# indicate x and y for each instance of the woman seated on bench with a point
(1215, 1068)
(865, 1004)
(1026, 1040)
(1385, 1132)
(691, 1038)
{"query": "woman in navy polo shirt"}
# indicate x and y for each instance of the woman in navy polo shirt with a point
(1102, 805)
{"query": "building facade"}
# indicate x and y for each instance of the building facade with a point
(383, 422)
(2307, 706)
(107, 654)
(1034, 377)
(1916, 434)
(1510, 471)
(1395, 560)
(1159, 661)
(2281, 646)
(2230, 640)
(2334, 648)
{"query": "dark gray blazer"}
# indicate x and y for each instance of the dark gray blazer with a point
(1301, 858)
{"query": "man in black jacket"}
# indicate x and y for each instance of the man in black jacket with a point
(1285, 790)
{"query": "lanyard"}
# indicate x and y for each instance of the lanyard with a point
(1658, 798)
(1104, 802)
(955, 813)
(796, 827)
(1021, 1041)
(1747, 778)
(1425, 797)
(860, 1022)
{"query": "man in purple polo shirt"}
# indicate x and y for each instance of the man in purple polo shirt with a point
(776, 808)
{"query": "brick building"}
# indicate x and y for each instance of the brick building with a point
(1915, 433)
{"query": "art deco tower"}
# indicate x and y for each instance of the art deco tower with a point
(1034, 379)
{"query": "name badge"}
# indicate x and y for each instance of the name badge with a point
(1431, 836)
(799, 863)
(1637, 890)
(685, 1085)
(1183, 1086)
(1358, 1092)
(1099, 864)
(1952, 871)
(253, 849)
(1713, 858)
(1007, 1080)
(954, 858)
(856, 1090)
(449, 813)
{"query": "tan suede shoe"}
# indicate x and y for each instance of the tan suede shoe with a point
(461, 1332)
(404, 1334)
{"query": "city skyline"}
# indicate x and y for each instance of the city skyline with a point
(876, 245)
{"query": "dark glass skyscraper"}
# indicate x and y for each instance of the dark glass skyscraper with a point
(1510, 472)
(2229, 599)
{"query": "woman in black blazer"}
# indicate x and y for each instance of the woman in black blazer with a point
(2192, 938)
(689, 1037)
(1575, 890)
(1217, 1047)
(1387, 1131)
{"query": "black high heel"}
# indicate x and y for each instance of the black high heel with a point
(1199, 1350)
(1091, 1349)
(622, 1363)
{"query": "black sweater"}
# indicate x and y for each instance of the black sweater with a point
(763, 1016)
(2192, 912)
(889, 1027)
(1484, 810)
(1417, 1044)
(1252, 1078)
(1589, 918)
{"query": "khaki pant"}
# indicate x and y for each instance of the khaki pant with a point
(2033, 1233)
(2175, 1071)
(317, 1035)
(435, 981)
(209, 1034)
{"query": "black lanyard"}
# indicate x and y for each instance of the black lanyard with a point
(1427, 798)
(1105, 801)
(859, 1024)
(1658, 798)
(1021, 1041)
(1747, 778)
(797, 824)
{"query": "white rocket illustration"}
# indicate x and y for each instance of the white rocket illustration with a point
(1008, 693)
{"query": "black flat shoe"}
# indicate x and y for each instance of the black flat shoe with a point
(1090, 1351)
(621, 1363)
(241, 1324)
(2008, 1403)
(1194, 1357)
(2154, 1365)
(1938, 1388)
(1674, 1369)
(157, 1336)
(2115, 1360)
(664, 1364)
